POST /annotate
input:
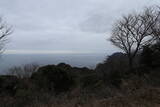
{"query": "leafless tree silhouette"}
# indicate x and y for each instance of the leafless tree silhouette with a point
(156, 27)
(134, 31)
(5, 30)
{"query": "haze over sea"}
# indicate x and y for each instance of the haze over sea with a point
(80, 60)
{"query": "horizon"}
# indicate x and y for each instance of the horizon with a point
(77, 60)
(52, 52)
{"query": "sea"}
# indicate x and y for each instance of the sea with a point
(8, 61)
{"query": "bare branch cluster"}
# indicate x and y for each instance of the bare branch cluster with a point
(23, 71)
(5, 30)
(134, 31)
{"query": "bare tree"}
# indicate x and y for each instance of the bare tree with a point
(24, 71)
(133, 32)
(5, 30)
(156, 27)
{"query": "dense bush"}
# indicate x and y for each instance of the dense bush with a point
(150, 56)
(113, 69)
(53, 78)
(8, 85)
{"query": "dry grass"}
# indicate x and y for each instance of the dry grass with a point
(140, 98)
(144, 97)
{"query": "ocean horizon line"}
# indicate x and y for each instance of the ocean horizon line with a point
(50, 52)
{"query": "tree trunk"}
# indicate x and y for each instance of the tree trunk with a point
(131, 63)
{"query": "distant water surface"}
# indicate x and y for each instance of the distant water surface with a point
(80, 60)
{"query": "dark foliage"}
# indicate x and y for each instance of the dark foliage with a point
(113, 70)
(150, 56)
(8, 85)
(53, 78)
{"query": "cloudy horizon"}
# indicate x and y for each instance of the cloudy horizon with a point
(59, 26)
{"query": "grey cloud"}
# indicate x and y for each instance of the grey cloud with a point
(74, 25)
(96, 23)
(101, 19)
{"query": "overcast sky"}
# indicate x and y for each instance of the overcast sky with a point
(64, 26)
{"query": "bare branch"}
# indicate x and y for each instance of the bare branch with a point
(5, 30)
(134, 31)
